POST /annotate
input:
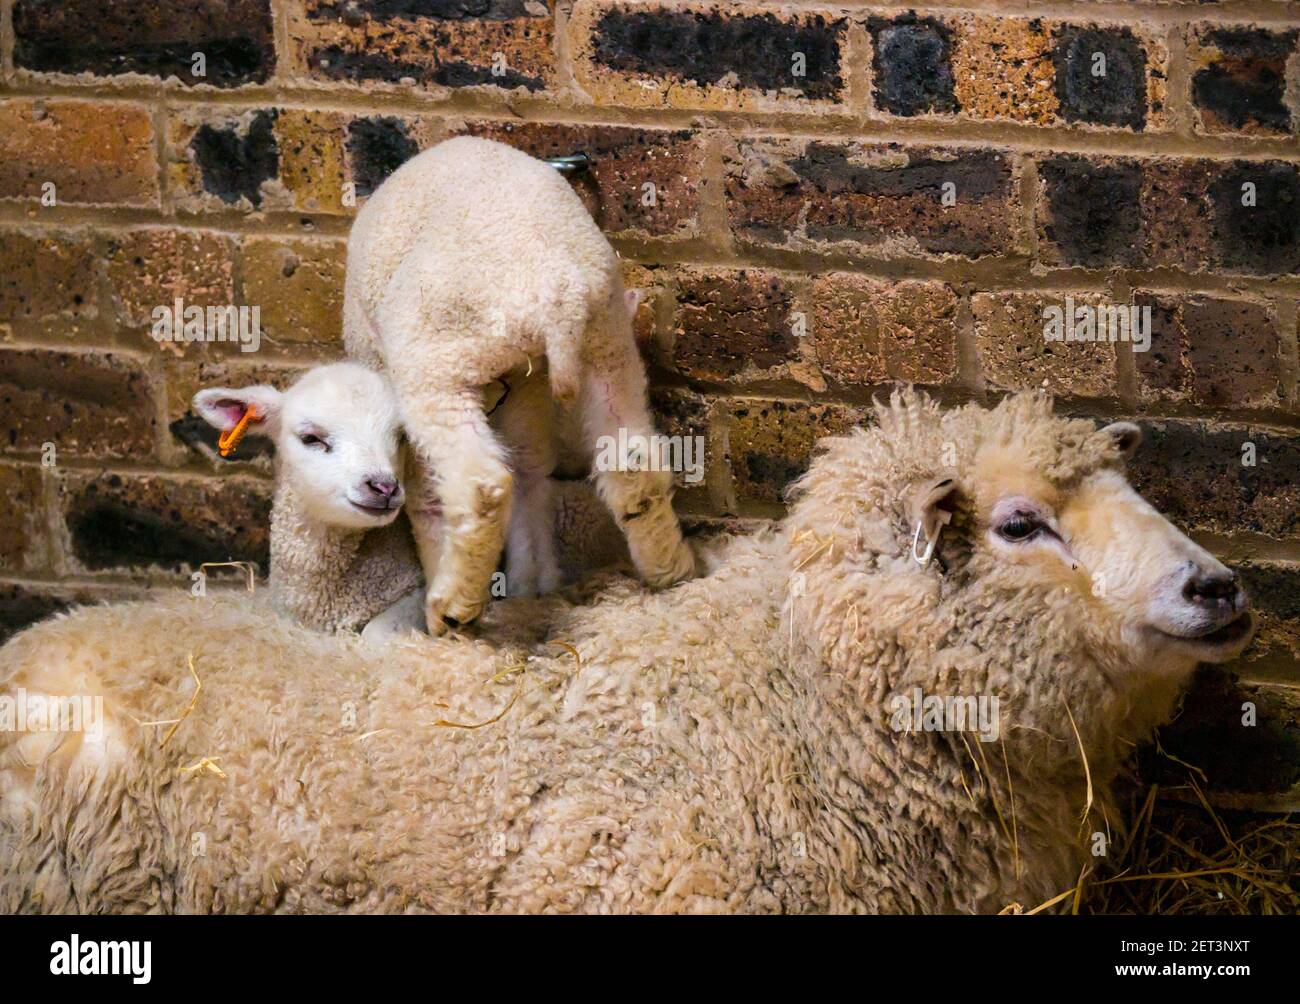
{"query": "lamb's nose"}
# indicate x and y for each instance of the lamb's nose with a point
(382, 486)
(1214, 589)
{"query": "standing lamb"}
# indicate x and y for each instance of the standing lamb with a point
(473, 261)
(732, 745)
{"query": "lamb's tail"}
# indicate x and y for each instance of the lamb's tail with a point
(565, 335)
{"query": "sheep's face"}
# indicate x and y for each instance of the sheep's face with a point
(338, 440)
(1150, 592)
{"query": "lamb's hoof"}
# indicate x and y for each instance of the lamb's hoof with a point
(442, 613)
(679, 569)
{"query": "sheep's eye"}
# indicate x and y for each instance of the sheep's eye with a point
(1021, 526)
(314, 442)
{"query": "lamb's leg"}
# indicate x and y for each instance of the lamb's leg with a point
(451, 437)
(641, 500)
(524, 422)
(532, 568)
(402, 618)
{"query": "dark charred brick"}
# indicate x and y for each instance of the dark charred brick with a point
(1215, 352)
(1263, 237)
(236, 38)
(1116, 98)
(1244, 86)
(1211, 734)
(623, 162)
(1274, 591)
(377, 147)
(87, 404)
(445, 44)
(731, 321)
(1093, 216)
(22, 606)
(1197, 475)
(771, 443)
(874, 195)
(23, 535)
(138, 521)
(912, 61)
(233, 162)
(703, 47)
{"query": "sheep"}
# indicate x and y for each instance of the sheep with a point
(472, 261)
(342, 555)
(731, 745)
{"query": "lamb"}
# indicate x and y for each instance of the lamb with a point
(342, 555)
(471, 262)
(732, 745)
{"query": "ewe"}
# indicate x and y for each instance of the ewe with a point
(730, 745)
(474, 261)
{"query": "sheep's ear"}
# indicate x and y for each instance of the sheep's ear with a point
(933, 504)
(632, 297)
(223, 407)
(1126, 436)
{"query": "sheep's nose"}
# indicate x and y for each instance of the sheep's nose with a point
(1218, 589)
(384, 487)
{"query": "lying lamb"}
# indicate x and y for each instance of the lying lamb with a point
(473, 261)
(735, 744)
(342, 556)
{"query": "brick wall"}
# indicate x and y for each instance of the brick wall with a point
(818, 199)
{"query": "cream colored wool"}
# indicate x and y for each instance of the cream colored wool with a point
(471, 262)
(720, 747)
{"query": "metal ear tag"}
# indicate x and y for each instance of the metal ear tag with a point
(930, 542)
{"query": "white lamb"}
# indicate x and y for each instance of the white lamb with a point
(342, 555)
(474, 261)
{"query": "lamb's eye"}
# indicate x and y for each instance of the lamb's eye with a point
(314, 442)
(1021, 526)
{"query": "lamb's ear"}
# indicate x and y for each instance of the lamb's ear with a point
(223, 407)
(632, 297)
(933, 504)
(1126, 436)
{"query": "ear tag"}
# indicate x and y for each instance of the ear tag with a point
(930, 542)
(228, 441)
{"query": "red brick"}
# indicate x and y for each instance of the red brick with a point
(45, 274)
(87, 404)
(23, 535)
(141, 521)
(625, 161)
(866, 331)
(297, 286)
(94, 152)
(885, 199)
(1015, 353)
(735, 324)
(770, 443)
(1198, 475)
(152, 267)
(1213, 352)
(506, 44)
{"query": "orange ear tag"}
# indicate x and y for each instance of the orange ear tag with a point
(228, 441)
